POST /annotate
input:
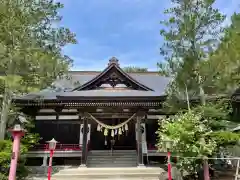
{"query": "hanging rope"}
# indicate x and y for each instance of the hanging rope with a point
(112, 127)
(116, 130)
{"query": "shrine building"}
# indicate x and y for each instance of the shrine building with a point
(108, 111)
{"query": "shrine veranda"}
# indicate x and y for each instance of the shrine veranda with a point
(108, 110)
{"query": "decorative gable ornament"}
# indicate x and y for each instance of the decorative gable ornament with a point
(113, 75)
(114, 61)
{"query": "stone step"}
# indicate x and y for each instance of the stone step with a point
(124, 173)
(111, 158)
(114, 155)
(110, 154)
(111, 178)
(109, 151)
(110, 170)
(107, 154)
(105, 175)
(111, 162)
(111, 165)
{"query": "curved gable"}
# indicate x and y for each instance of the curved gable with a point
(113, 75)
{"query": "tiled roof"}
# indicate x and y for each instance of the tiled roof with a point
(66, 87)
(153, 81)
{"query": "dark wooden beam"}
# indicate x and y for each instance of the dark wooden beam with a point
(139, 141)
(84, 145)
(101, 113)
(60, 121)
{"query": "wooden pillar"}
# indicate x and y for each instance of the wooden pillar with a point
(84, 145)
(80, 126)
(57, 136)
(139, 142)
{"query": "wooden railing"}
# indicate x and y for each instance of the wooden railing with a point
(152, 147)
(149, 146)
(72, 147)
(59, 147)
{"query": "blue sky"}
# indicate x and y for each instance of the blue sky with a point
(126, 29)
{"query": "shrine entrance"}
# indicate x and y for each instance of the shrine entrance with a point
(124, 140)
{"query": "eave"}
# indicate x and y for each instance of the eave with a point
(94, 102)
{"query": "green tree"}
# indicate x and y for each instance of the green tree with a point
(226, 59)
(192, 35)
(192, 32)
(28, 141)
(131, 69)
(30, 49)
(197, 133)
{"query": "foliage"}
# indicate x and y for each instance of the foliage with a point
(195, 45)
(31, 59)
(29, 140)
(226, 59)
(5, 156)
(192, 32)
(131, 69)
(30, 49)
(30, 44)
(5, 159)
(188, 129)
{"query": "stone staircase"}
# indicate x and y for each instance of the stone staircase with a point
(116, 165)
(127, 173)
(116, 158)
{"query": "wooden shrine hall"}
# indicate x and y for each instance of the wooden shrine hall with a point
(98, 111)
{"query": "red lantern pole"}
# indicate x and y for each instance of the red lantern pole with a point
(51, 145)
(17, 133)
(50, 164)
(169, 165)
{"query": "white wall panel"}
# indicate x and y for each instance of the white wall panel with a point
(68, 117)
(61, 117)
(155, 117)
(69, 110)
(46, 110)
(45, 117)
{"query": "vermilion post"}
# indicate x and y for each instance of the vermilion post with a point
(17, 134)
(51, 145)
(50, 164)
(169, 165)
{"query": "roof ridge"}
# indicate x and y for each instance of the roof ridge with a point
(113, 63)
(86, 72)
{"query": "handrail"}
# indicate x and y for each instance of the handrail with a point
(149, 146)
(59, 147)
(73, 147)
